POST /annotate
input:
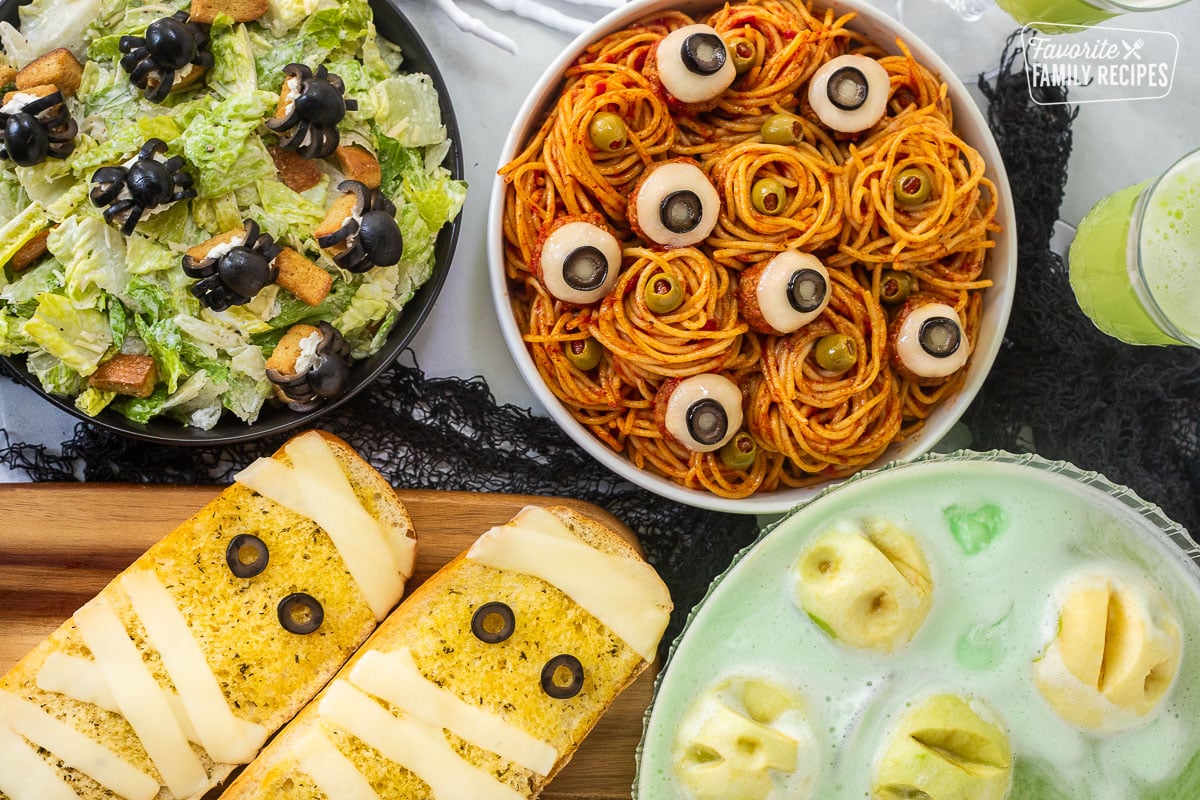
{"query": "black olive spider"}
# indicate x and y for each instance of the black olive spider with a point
(155, 61)
(146, 183)
(324, 379)
(39, 129)
(370, 236)
(235, 276)
(314, 105)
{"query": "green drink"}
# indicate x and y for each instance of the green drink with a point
(1135, 260)
(1046, 14)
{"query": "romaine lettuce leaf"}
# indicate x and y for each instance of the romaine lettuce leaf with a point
(93, 255)
(219, 214)
(222, 147)
(21, 295)
(19, 230)
(407, 178)
(47, 25)
(232, 72)
(79, 337)
(92, 401)
(13, 339)
(164, 341)
(143, 255)
(407, 109)
(55, 376)
(285, 213)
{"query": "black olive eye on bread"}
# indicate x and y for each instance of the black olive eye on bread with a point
(492, 623)
(849, 93)
(704, 412)
(676, 205)
(562, 677)
(300, 613)
(694, 64)
(580, 262)
(247, 555)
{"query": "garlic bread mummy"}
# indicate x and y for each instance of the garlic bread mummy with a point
(484, 681)
(183, 666)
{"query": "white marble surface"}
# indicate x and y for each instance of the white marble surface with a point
(1116, 144)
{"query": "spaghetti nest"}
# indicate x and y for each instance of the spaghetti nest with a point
(834, 198)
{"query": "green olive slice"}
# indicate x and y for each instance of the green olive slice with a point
(895, 286)
(836, 352)
(912, 186)
(607, 132)
(768, 196)
(583, 354)
(740, 451)
(746, 55)
(663, 293)
(781, 129)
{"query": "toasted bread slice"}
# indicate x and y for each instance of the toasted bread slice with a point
(8, 76)
(181, 647)
(297, 173)
(31, 251)
(200, 252)
(40, 90)
(58, 67)
(301, 277)
(466, 714)
(359, 164)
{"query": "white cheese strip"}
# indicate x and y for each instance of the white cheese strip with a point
(394, 677)
(623, 593)
(355, 533)
(82, 680)
(417, 746)
(219, 731)
(24, 775)
(141, 700)
(332, 772)
(76, 750)
(310, 454)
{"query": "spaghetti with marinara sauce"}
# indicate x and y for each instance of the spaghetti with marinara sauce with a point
(837, 196)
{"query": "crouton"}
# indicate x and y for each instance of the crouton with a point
(200, 251)
(338, 213)
(7, 75)
(302, 277)
(37, 91)
(30, 252)
(296, 173)
(283, 357)
(58, 67)
(359, 164)
(127, 374)
(194, 76)
(206, 11)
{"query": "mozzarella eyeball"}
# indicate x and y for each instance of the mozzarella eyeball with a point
(694, 65)
(931, 342)
(704, 412)
(580, 262)
(792, 291)
(849, 94)
(676, 205)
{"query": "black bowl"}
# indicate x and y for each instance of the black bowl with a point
(275, 418)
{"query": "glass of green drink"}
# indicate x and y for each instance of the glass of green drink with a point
(1135, 259)
(1046, 14)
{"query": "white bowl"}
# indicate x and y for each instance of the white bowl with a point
(997, 302)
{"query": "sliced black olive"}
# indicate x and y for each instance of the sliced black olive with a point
(328, 377)
(380, 236)
(26, 139)
(170, 43)
(244, 271)
(585, 269)
(806, 290)
(300, 613)
(492, 623)
(681, 211)
(847, 88)
(940, 336)
(562, 677)
(703, 53)
(707, 421)
(246, 555)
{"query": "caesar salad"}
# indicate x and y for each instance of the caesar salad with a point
(211, 205)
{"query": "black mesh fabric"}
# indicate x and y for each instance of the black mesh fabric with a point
(1045, 393)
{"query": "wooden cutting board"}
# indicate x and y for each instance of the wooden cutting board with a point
(61, 543)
